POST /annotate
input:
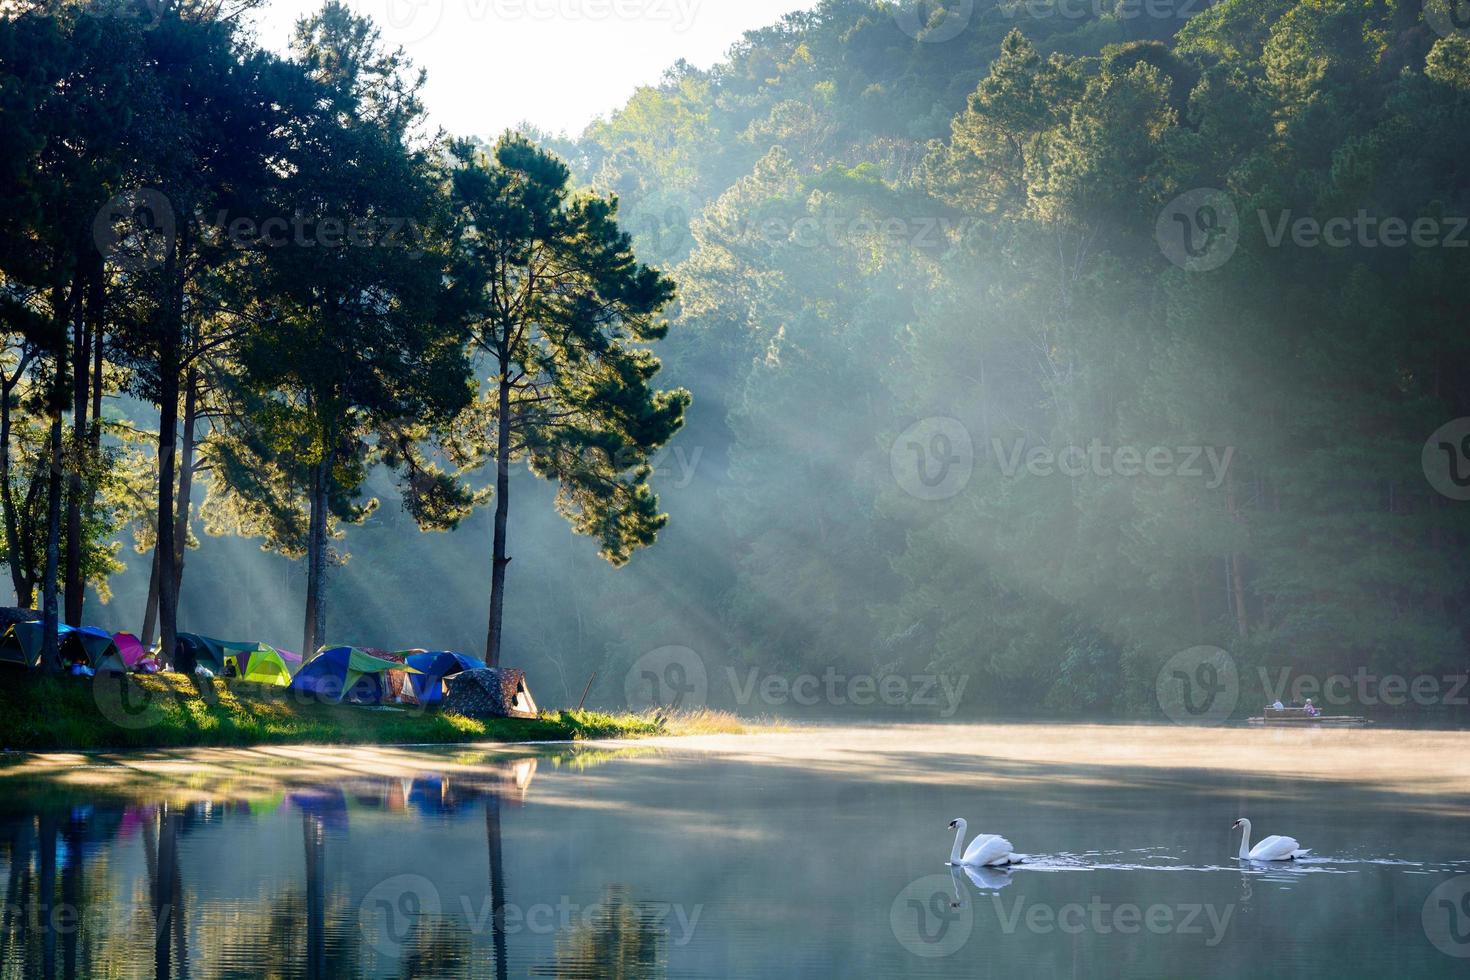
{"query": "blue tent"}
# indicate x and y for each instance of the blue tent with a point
(88, 645)
(428, 684)
(346, 674)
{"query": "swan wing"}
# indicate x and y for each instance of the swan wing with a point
(987, 849)
(1275, 848)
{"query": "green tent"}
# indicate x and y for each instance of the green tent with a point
(261, 664)
(215, 654)
(347, 674)
(21, 645)
(95, 647)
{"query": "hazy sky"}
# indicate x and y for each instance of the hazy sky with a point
(556, 63)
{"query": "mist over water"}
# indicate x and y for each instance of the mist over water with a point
(752, 856)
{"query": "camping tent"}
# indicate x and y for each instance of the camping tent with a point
(194, 650)
(261, 664)
(346, 674)
(89, 645)
(428, 685)
(495, 692)
(396, 688)
(23, 642)
(246, 660)
(134, 653)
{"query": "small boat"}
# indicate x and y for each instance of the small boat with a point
(1299, 718)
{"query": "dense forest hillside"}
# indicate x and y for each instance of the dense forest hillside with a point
(1033, 345)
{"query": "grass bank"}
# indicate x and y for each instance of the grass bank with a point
(40, 713)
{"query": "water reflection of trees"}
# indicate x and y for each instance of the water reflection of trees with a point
(58, 854)
(625, 940)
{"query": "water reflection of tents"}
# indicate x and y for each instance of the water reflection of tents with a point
(327, 804)
(346, 674)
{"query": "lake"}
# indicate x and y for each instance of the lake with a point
(809, 853)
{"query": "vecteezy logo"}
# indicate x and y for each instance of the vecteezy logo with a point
(1446, 917)
(1448, 18)
(1199, 686)
(390, 912)
(1446, 459)
(128, 704)
(1199, 230)
(933, 21)
(411, 21)
(929, 920)
(135, 229)
(933, 459)
(669, 677)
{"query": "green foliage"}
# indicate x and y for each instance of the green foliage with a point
(862, 229)
(553, 297)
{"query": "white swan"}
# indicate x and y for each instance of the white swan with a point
(1273, 848)
(986, 850)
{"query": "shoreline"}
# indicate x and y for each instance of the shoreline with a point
(58, 714)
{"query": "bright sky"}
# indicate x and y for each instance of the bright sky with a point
(556, 63)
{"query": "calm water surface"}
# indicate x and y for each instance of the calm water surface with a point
(812, 853)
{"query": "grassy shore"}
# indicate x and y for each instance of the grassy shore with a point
(40, 713)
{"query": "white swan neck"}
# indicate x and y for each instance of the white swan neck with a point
(959, 842)
(1245, 838)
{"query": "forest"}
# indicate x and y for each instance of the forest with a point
(1032, 343)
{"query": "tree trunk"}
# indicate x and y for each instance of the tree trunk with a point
(51, 650)
(1237, 581)
(169, 343)
(95, 309)
(95, 313)
(81, 389)
(499, 560)
(316, 558)
(1237, 566)
(186, 478)
(51, 641)
(150, 611)
(25, 594)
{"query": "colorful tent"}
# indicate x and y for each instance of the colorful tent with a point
(346, 674)
(23, 642)
(244, 659)
(261, 664)
(138, 657)
(396, 688)
(194, 650)
(428, 685)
